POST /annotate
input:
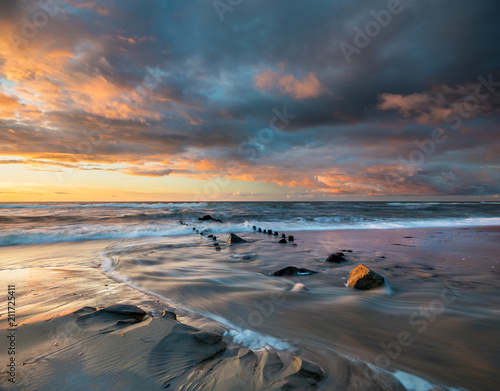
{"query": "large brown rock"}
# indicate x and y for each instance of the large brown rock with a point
(363, 278)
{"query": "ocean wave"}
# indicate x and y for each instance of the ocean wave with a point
(87, 232)
(83, 232)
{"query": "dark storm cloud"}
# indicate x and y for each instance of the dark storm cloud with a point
(214, 84)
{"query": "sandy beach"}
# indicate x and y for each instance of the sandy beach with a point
(68, 337)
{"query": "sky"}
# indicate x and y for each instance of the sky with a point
(249, 100)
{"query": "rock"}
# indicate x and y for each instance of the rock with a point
(216, 244)
(283, 241)
(208, 218)
(214, 237)
(260, 229)
(217, 248)
(194, 228)
(210, 236)
(126, 309)
(348, 251)
(299, 288)
(270, 231)
(276, 233)
(423, 274)
(233, 239)
(290, 238)
(254, 227)
(283, 236)
(335, 258)
(363, 278)
(293, 271)
(340, 254)
(201, 233)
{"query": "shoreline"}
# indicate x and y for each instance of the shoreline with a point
(53, 341)
(65, 289)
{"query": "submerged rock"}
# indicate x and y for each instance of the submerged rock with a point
(364, 278)
(208, 218)
(233, 239)
(336, 258)
(283, 241)
(293, 271)
(299, 288)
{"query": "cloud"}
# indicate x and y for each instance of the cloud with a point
(442, 102)
(11, 108)
(305, 88)
(167, 89)
(152, 172)
(94, 5)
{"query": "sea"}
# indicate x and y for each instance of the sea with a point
(62, 222)
(440, 261)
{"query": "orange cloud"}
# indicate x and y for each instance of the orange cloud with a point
(101, 9)
(305, 88)
(11, 108)
(8, 106)
(438, 104)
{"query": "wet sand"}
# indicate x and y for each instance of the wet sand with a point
(448, 277)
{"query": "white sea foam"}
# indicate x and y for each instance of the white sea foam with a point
(255, 341)
(249, 338)
(415, 383)
(382, 224)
